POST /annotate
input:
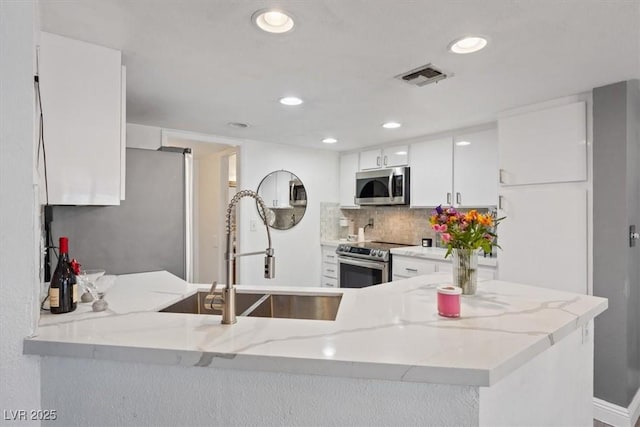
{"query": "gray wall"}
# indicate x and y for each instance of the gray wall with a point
(144, 233)
(616, 266)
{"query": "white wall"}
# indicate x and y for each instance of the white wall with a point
(19, 211)
(297, 250)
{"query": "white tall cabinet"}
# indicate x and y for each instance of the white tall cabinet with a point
(544, 146)
(544, 192)
(83, 98)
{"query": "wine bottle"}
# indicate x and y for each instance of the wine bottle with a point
(63, 290)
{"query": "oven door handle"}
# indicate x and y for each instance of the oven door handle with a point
(361, 263)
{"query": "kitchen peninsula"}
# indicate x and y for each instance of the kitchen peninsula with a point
(518, 355)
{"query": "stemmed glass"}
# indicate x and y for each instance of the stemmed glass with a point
(88, 280)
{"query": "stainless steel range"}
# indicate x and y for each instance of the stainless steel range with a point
(364, 264)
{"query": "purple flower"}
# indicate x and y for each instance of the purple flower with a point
(439, 210)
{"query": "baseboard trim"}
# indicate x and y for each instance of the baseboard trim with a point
(615, 415)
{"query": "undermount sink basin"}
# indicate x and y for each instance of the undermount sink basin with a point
(280, 305)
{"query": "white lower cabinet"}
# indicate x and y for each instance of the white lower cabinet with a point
(405, 266)
(329, 278)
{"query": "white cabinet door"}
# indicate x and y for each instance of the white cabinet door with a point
(432, 173)
(544, 146)
(405, 267)
(371, 159)
(395, 156)
(475, 166)
(81, 87)
(544, 248)
(348, 169)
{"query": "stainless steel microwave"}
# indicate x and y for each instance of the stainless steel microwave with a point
(383, 187)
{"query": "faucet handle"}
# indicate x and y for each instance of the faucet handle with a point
(214, 285)
(214, 299)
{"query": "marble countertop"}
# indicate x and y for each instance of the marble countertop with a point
(438, 254)
(390, 331)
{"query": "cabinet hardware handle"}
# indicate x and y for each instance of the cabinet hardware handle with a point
(458, 198)
(378, 160)
(330, 271)
(385, 160)
(415, 270)
(500, 176)
(500, 202)
(448, 198)
(330, 256)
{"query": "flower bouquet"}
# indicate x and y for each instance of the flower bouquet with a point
(463, 233)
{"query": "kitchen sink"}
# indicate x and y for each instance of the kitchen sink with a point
(278, 305)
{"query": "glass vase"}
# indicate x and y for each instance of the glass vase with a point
(465, 270)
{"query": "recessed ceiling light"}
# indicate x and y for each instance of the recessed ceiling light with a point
(401, 153)
(273, 20)
(468, 44)
(391, 125)
(463, 143)
(290, 100)
(238, 125)
(329, 140)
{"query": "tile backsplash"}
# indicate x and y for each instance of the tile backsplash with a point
(390, 224)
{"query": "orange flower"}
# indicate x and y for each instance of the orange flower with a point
(471, 215)
(485, 220)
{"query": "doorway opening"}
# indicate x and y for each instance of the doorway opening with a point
(211, 182)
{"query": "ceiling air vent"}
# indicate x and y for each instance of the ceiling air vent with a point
(422, 75)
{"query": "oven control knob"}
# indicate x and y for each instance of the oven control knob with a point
(375, 252)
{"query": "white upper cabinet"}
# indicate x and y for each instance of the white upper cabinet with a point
(274, 189)
(82, 104)
(475, 168)
(432, 172)
(384, 158)
(348, 169)
(395, 156)
(371, 159)
(544, 146)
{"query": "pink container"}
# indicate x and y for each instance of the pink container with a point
(449, 301)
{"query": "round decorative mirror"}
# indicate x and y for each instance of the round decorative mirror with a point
(285, 197)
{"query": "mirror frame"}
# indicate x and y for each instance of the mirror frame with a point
(292, 177)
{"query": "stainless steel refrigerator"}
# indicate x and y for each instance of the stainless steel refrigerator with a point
(150, 230)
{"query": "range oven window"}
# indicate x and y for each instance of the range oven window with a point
(357, 273)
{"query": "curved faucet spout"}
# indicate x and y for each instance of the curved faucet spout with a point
(228, 293)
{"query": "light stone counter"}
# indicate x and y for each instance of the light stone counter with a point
(518, 355)
(502, 327)
(438, 254)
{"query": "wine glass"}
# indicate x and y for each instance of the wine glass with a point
(88, 280)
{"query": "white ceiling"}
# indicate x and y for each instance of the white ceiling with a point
(198, 64)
